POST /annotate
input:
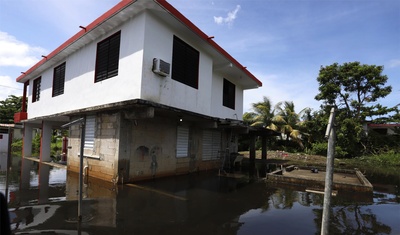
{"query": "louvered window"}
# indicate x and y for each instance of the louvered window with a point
(229, 94)
(90, 130)
(107, 57)
(36, 89)
(59, 80)
(185, 63)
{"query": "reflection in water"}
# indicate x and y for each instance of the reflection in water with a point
(354, 219)
(30, 216)
(194, 204)
(347, 217)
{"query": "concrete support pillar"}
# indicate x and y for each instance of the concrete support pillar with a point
(252, 159)
(27, 140)
(45, 142)
(264, 147)
(44, 172)
(26, 152)
(263, 170)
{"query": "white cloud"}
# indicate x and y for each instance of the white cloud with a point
(394, 63)
(8, 86)
(17, 53)
(280, 87)
(229, 18)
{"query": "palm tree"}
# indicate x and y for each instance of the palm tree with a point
(288, 122)
(263, 113)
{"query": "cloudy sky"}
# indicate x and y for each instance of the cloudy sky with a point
(283, 43)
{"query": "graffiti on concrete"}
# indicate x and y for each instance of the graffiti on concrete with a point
(155, 151)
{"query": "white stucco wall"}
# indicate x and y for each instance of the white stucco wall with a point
(143, 38)
(217, 109)
(165, 90)
(80, 91)
(207, 99)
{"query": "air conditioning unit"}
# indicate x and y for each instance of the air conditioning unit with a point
(161, 67)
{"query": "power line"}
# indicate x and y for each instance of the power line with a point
(11, 87)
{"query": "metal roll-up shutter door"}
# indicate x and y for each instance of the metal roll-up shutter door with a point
(216, 144)
(207, 145)
(182, 142)
(211, 144)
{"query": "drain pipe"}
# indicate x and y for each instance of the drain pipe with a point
(81, 169)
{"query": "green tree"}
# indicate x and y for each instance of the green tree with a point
(9, 107)
(353, 89)
(314, 126)
(263, 113)
(260, 117)
(288, 122)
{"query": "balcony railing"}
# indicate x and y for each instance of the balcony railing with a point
(20, 116)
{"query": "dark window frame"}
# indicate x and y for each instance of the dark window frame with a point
(36, 89)
(59, 80)
(107, 57)
(229, 94)
(185, 63)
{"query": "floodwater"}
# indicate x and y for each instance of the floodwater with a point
(203, 203)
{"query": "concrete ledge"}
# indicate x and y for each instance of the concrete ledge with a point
(53, 164)
(362, 179)
(347, 181)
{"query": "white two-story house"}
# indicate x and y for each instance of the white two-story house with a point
(159, 96)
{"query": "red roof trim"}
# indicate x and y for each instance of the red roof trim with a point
(121, 5)
(205, 37)
(384, 125)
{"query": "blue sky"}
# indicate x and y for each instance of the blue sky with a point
(283, 43)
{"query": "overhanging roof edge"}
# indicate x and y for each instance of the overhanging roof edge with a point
(108, 14)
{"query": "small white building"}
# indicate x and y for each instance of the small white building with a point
(160, 97)
(8, 132)
(383, 129)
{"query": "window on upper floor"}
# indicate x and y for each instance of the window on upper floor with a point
(107, 57)
(185, 63)
(228, 99)
(36, 89)
(59, 80)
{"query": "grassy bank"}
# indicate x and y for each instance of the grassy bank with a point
(384, 164)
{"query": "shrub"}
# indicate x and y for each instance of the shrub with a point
(321, 148)
(16, 147)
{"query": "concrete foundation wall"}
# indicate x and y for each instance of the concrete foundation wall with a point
(102, 160)
(151, 149)
(137, 149)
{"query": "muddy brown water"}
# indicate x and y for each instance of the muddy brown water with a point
(203, 203)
